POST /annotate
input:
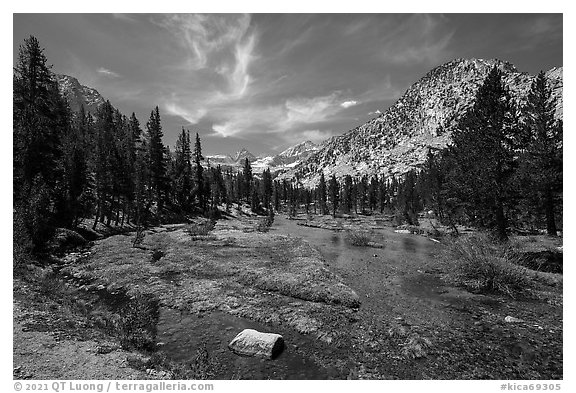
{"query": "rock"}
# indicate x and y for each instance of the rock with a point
(250, 342)
(402, 231)
(66, 238)
(511, 319)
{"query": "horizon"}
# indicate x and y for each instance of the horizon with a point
(248, 81)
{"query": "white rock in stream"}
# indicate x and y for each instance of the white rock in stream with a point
(250, 342)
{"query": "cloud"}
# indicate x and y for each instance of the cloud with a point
(193, 117)
(310, 110)
(315, 135)
(107, 72)
(348, 104)
(376, 112)
(281, 119)
(219, 50)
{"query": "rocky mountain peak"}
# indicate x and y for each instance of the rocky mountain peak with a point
(422, 118)
(77, 94)
(242, 154)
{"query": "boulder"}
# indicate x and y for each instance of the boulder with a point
(250, 342)
(66, 238)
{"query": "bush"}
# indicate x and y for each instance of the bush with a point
(136, 323)
(22, 243)
(265, 223)
(202, 228)
(358, 238)
(481, 265)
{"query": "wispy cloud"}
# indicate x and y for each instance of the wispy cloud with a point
(348, 104)
(190, 116)
(376, 112)
(292, 117)
(107, 72)
(219, 52)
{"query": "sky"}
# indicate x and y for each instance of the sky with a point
(268, 81)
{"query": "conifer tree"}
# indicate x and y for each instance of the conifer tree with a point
(542, 162)
(199, 182)
(247, 177)
(156, 156)
(347, 194)
(322, 194)
(482, 156)
(183, 171)
(333, 192)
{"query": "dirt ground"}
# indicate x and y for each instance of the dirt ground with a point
(381, 312)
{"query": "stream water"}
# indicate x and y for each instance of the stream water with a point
(183, 333)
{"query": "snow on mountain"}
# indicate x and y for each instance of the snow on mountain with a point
(298, 150)
(278, 163)
(398, 140)
(78, 95)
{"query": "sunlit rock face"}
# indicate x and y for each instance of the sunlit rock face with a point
(398, 140)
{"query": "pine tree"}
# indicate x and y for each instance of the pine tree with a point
(482, 156)
(542, 162)
(347, 194)
(248, 177)
(183, 171)
(322, 194)
(157, 158)
(199, 183)
(266, 187)
(40, 120)
(333, 192)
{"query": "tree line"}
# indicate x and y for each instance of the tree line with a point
(503, 169)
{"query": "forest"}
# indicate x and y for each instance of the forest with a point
(502, 173)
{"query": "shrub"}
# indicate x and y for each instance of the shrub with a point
(265, 223)
(415, 347)
(139, 237)
(201, 228)
(157, 255)
(136, 322)
(481, 265)
(22, 243)
(358, 238)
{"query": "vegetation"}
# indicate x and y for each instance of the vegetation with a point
(480, 265)
(358, 238)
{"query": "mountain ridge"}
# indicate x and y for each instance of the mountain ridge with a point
(77, 94)
(398, 139)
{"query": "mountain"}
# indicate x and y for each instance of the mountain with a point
(299, 150)
(78, 95)
(278, 163)
(243, 154)
(398, 139)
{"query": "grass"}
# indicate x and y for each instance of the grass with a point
(480, 265)
(358, 238)
(136, 323)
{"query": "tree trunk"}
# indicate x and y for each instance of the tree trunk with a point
(550, 221)
(97, 215)
(501, 222)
